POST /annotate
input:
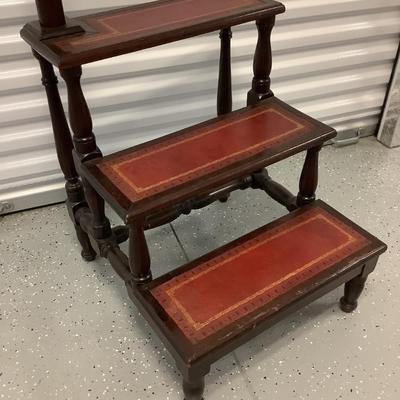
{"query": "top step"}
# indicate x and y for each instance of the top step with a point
(129, 29)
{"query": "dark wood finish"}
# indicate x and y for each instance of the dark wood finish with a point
(335, 269)
(224, 97)
(139, 257)
(275, 190)
(196, 203)
(262, 64)
(41, 33)
(352, 291)
(108, 247)
(147, 25)
(52, 22)
(119, 261)
(286, 130)
(85, 146)
(210, 306)
(101, 227)
(63, 144)
(51, 13)
(87, 253)
(121, 233)
(309, 177)
(79, 115)
(260, 89)
(62, 136)
(193, 390)
(354, 287)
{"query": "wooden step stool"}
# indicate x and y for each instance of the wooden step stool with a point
(210, 306)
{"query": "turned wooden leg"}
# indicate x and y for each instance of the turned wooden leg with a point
(309, 177)
(64, 146)
(139, 257)
(262, 64)
(87, 253)
(224, 96)
(85, 147)
(352, 291)
(100, 224)
(193, 390)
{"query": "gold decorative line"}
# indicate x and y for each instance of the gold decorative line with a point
(197, 325)
(117, 168)
(116, 33)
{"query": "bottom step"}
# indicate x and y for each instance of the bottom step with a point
(215, 303)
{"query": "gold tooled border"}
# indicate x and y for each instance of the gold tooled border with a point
(117, 167)
(198, 326)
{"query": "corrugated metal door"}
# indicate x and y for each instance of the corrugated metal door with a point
(332, 60)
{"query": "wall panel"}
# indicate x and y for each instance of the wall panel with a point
(332, 59)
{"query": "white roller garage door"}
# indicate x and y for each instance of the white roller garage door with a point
(332, 59)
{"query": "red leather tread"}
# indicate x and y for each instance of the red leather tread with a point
(169, 169)
(141, 26)
(132, 24)
(156, 168)
(231, 285)
(197, 160)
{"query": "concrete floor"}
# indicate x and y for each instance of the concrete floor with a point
(69, 331)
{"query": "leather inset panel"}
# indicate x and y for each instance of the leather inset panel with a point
(227, 287)
(152, 19)
(179, 159)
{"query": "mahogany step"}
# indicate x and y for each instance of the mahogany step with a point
(129, 29)
(203, 158)
(206, 308)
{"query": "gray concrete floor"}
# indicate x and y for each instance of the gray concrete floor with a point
(69, 331)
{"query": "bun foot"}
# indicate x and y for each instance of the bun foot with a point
(352, 291)
(88, 255)
(347, 307)
(194, 390)
(224, 199)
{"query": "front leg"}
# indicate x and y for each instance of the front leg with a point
(352, 291)
(63, 143)
(193, 390)
(85, 147)
(354, 287)
(139, 257)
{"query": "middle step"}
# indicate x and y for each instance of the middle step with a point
(201, 159)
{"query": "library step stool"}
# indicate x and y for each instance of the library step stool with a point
(210, 306)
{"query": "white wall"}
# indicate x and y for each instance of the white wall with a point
(332, 59)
